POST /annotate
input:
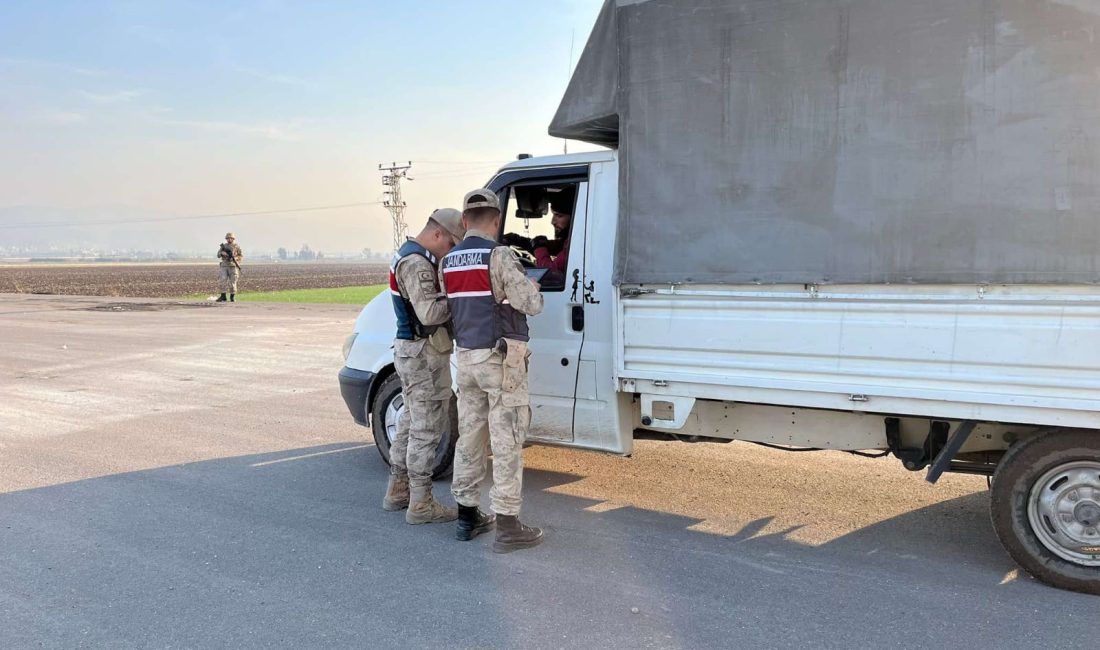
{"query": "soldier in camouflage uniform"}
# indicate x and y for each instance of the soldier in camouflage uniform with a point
(422, 357)
(229, 267)
(490, 297)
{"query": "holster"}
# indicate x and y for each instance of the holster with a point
(514, 383)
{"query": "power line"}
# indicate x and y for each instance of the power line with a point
(113, 222)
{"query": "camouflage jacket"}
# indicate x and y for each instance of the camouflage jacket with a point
(417, 281)
(509, 283)
(224, 258)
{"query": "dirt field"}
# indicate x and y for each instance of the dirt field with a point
(171, 280)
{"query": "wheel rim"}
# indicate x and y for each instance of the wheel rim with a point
(393, 411)
(1064, 512)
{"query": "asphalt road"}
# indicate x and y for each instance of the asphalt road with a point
(175, 477)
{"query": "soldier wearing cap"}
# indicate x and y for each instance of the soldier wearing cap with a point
(422, 356)
(490, 297)
(229, 268)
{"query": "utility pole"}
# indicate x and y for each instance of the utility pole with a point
(391, 179)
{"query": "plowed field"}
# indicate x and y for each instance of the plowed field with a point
(174, 280)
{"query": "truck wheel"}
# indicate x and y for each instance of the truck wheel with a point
(1046, 507)
(387, 407)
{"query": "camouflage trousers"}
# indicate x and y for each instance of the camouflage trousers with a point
(227, 279)
(494, 410)
(426, 384)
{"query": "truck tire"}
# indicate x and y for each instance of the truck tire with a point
(387, 405)
(1046, 507)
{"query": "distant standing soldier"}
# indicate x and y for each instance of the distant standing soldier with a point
(422, 357)
(229, 268)
(490, 297)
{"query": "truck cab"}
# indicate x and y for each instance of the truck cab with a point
(574, 401)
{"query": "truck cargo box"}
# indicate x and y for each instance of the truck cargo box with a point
(847, 141)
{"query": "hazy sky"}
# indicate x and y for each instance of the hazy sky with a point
(211, 107)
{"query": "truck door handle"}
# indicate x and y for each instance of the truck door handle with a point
(578, 318)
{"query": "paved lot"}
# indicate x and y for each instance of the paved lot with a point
(189, 477)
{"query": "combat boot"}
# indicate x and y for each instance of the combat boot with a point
(424, 509)
(512, 535)
(232, 297)
(472, 522)
(397, 494)
(221, 298)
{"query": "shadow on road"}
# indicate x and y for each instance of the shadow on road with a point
(952, 534)
(246, 552)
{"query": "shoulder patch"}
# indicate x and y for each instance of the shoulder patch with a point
(511, 255)
(515, 260)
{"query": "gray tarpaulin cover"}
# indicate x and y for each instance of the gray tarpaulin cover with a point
(816, 141)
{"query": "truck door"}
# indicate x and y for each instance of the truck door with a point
(529, 204)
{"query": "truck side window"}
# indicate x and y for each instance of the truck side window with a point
(537, 225)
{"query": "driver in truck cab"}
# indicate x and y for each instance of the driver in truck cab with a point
(553, 253)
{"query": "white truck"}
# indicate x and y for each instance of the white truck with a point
(769, 256)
